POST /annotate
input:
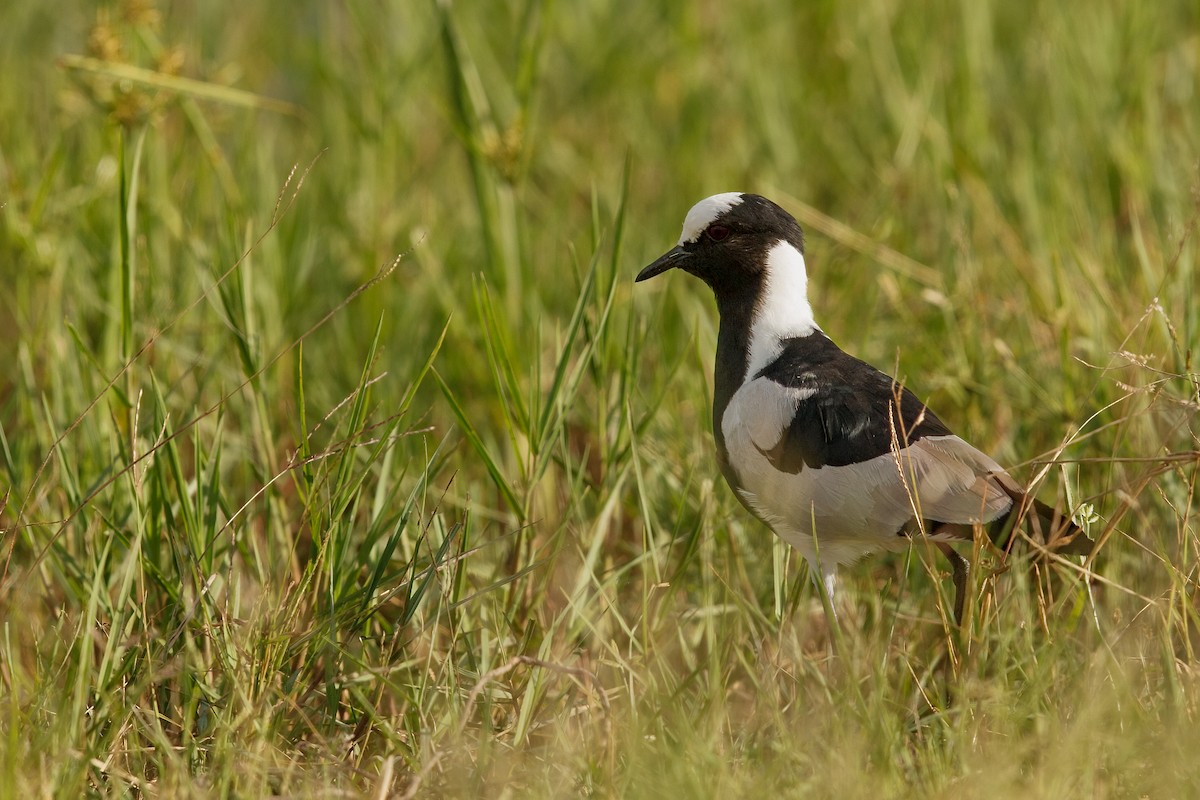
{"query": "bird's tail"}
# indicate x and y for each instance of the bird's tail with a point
(1046, 524)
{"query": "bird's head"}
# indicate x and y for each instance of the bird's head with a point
(728, 241)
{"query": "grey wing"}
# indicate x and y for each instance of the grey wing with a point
(947, 480)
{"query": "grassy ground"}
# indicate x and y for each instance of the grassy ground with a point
(340, 456)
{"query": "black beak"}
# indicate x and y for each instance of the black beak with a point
(668, 260)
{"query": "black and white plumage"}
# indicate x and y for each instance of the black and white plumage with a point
(833, 455)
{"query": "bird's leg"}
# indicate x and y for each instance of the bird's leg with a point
(824, 577)
(829, 579)
(961, 568)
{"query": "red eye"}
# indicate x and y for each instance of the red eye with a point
(718, 233)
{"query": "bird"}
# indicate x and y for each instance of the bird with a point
(839, 459)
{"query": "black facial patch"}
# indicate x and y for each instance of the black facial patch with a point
(750, 230)
(758, 217)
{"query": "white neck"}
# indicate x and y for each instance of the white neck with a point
(783, 312)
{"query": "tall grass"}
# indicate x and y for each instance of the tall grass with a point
(340, 456)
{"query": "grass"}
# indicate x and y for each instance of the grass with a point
(340, 456)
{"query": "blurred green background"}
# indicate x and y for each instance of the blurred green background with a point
(276, 521)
